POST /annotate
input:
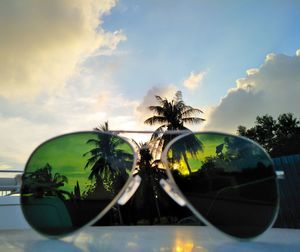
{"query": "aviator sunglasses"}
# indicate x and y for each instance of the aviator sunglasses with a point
(226, 181)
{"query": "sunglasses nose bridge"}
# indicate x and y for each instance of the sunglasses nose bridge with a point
(172, 192)
(130, 190)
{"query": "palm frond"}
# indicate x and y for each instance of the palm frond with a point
(102, 127)
(93, 152)
(97, 168)
(155, 119)
(115, 141)
(92, 141)
(157, 109)
(157, 162)
(189, 111)
(92, 160)
(157, 133)
(58, 178)
(159, 99)
(180, 105)
(192, 120)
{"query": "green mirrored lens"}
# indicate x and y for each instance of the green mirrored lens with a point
(229, 180)
(70, 179)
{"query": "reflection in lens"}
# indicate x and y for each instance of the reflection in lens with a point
(70, 179)
(229, 180)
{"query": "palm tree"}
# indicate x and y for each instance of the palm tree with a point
(172, 115)
(106, 159)
(109, 164)
(146, 199)
(42, 183)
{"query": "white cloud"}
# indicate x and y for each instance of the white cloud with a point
(274, 88)
(42, 43)
(21, 132)
(4, 166)
(252, 71)
(40, 57)
(270, 57)
(194, 80)
(16, 145)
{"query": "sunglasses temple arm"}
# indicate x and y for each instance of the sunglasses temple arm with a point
(130, 190)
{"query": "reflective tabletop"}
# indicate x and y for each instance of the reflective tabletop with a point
(148, 238)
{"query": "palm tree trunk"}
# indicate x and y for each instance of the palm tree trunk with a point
(187, 163)
(155, 198)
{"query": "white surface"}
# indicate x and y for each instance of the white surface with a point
(11, 216)
(148, 238)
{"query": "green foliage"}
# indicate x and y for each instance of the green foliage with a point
(108, 177)
(90, 189)
(42, 182)
(278, 137)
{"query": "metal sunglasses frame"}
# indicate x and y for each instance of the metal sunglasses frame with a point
(169, 185)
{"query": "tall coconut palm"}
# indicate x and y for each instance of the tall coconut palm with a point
(172, 115)
(106, 159)
(146, 199)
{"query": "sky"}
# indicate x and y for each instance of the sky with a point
(72, 65)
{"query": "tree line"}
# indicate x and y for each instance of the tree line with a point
(279, 137)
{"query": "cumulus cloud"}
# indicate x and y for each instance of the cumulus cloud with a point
(142, 111)
(273, 88)
(16, 145)
(194, 80)
(42, 43)
(42, 48)
(22, 130)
